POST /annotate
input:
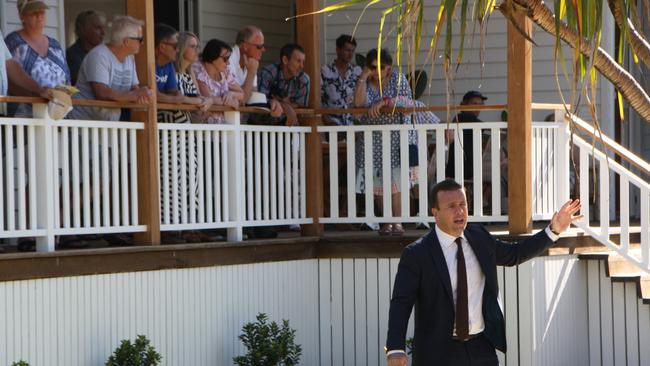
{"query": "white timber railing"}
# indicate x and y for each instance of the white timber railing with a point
(67, 177)
(488, 200)
(232, 176)
(596, 171)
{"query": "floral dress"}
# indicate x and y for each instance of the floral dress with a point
(217, 89)
(48, 72)
(401, 94)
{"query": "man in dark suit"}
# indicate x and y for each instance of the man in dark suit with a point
(450, 276)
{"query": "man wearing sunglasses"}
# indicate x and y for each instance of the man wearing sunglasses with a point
(245, 62)
(108, 72)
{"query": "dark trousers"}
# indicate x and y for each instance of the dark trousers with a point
(475, 352)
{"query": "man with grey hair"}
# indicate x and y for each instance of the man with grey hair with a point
(245, 62)
(108, 72)
(89, 28)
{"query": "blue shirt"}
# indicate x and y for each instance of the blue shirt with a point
(166, 78)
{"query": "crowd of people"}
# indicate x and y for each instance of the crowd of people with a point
(102, 67)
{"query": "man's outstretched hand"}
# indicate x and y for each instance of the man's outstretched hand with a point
(563, 218)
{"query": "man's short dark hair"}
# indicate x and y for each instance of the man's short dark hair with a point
(287, 50)
(443, 186)
(163, 32)
(82, 19)
(385, 57)
(344, 39)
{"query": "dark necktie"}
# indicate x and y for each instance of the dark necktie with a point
(462, 312)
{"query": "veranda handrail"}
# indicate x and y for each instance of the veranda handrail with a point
(612, 145)
(79, 102)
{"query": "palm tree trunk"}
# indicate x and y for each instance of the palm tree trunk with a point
(639, 45)
(603, 62)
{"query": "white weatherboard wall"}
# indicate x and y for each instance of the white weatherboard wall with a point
(222, 19)
(55, 26)
(559, 311)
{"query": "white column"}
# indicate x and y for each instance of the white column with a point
(234, 167)
(45, 176)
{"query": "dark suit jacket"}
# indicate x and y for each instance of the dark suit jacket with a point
(423, 280)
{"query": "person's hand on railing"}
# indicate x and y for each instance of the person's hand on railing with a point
(141, 94)
(276, 108)
(397, 359)
(292, 116)
(375, 109)
(230, 100)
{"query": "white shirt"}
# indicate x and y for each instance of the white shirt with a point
(475, 278)
(237, 71)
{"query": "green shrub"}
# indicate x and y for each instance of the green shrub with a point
(140, 353)
(268, 344)
(20, 363)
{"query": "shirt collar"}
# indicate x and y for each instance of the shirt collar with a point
(445, 239)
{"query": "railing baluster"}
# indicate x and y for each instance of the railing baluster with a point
(625, 214)
(495, 170)
(295, 176)
(645, 227)
(303, 175)
(20, 150)
(274, 178)
(368, 174)
(76, 181)
(134, 178)
(183, 168)
(423, 175)
(386, 170)
(258, 175)
(225, 177)
(287, 174)
(404, 172)
(249, 176)
(106, 194)
(281, 169)
(604, 199)
(3, 147)
(205, 167)
(459, 155)
(115, 181)
(440, 156)
(85, 159)
(31, 161)
(334, 174)
(56, 135)
(265, 176)
(124, 186)
(65, 175)
(584, 186)
(535, 172)
(215, 176)
(96, 206)
(351, 173)
(175, 201)
(209, 178)
(200, 178)
(477, 152)
(165, 179)
(191, 172)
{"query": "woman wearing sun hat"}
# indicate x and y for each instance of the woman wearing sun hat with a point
(39, 55)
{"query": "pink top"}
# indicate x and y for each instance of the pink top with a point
(217, 89)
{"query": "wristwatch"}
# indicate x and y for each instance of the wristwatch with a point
(553, 231)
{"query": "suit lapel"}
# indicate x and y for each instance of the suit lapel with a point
(439, 262)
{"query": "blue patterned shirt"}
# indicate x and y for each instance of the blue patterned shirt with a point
(271, 81)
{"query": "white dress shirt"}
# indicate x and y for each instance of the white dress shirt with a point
(237, 71)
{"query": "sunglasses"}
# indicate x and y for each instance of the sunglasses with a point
(258, 46)
(225, 58)
(139, 39)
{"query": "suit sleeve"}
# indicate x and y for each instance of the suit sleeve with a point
(512, 254)
(405, 289)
